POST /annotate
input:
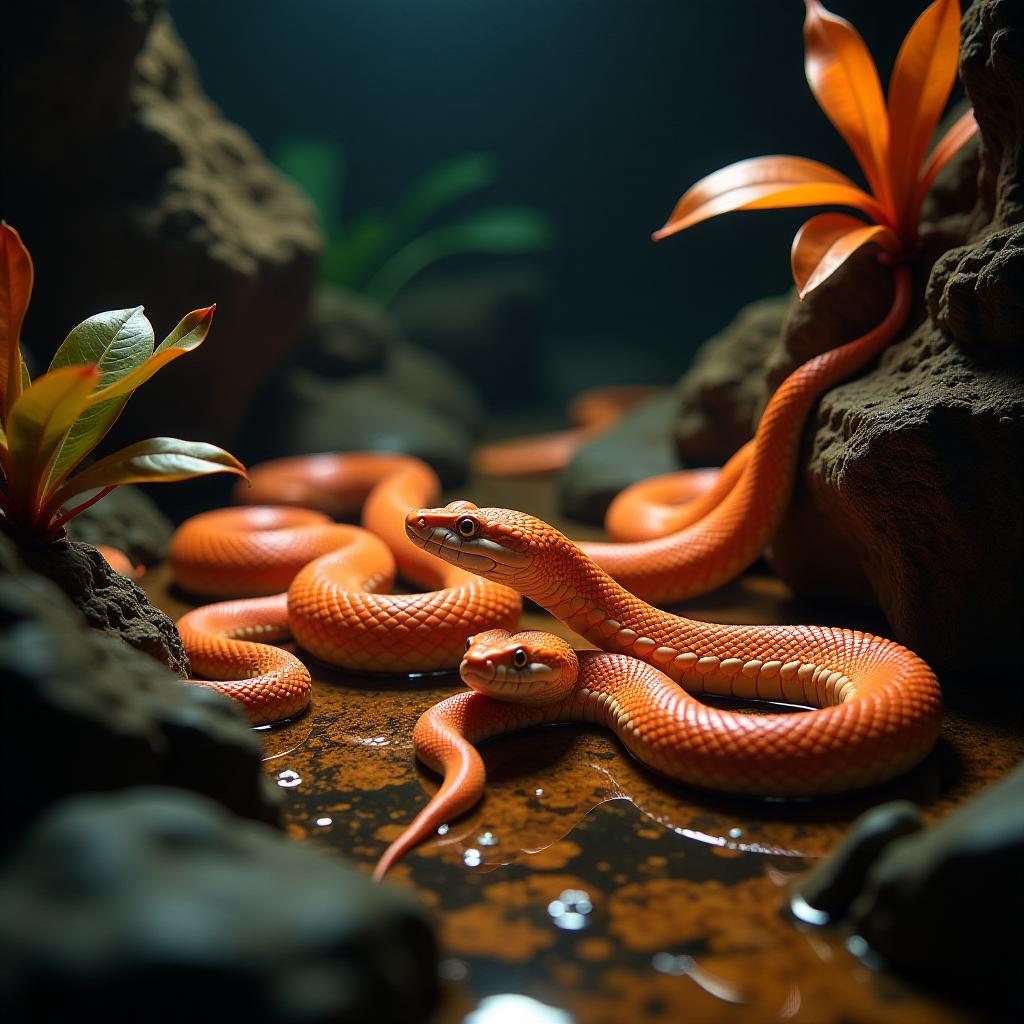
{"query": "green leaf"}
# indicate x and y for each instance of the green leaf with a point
(440, 187)
(349, 262)
(188, 335)
(156, 460)
(39, 419)
(116, 342)
(317, 166)
(497, 231)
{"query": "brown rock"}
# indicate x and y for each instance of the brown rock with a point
(109, 601)
(129, 186)
(719, 398)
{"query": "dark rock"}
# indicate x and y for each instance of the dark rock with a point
(486, 322)
(357, 384)
(83, 712)
(129, 186)
(364, 413)
(347, 335)
(126, 519)
(976, 294)
(635, 448)
(159, 900)
(109, 601)
(930, 903)
(719, 398)
(826, 892)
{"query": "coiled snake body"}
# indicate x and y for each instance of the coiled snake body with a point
(326, 583)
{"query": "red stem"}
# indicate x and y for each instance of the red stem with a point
(68, 516)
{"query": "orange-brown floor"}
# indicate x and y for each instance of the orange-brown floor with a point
(586, 882)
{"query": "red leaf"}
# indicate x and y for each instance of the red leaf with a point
(16, 275)
(845, 83)
(921, 80)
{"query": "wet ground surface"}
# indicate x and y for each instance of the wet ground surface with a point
(584, 881)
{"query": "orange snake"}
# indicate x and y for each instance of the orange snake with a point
(877, 720)
(879, 706)
(335, 577)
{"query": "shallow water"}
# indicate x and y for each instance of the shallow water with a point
(586, 882)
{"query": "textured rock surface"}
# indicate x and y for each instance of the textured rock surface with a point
(637, 447)
(158, 899)
(910, 494)
(357, 384)
(109, 601)
(129, 186)
(83, 713)
(929, 901)
(717, 401)
(126, 519)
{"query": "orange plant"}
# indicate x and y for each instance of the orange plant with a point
(48, 426)
(889, 139)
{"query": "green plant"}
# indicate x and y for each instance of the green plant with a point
(889, 139)
(378, 254)
(48, 426)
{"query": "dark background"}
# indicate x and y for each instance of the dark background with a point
(602, 112)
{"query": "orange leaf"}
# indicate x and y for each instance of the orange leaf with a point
(921, 80)
(16, 275)
(845, 83)
(827, 241)
(769, 197)
(960, 133)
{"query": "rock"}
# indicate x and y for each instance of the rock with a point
(109, 601)
(126, 519)
(635, 448)
(358, 384)
(365, 413)
(86, 713)
(129, 186)
(930, 902)
(826, 892)
(486, 322)
(976, 294)
(157, 904)
(718, 399)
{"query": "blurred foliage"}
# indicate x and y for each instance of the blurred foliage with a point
(379, 253)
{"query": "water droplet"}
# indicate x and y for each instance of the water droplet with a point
(735, 833)
(289, 779)
(442, 830)
(323, 821)
(666, 963)
(452, 969)
(487, 839)
(570, 910)
(471, 858)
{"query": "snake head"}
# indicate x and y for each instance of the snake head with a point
(531, 667)
(497, 543)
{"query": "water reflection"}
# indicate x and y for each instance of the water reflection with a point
(516, 1009)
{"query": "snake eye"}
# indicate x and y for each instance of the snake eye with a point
(466, 526)
(520, 657)
(469, 642)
